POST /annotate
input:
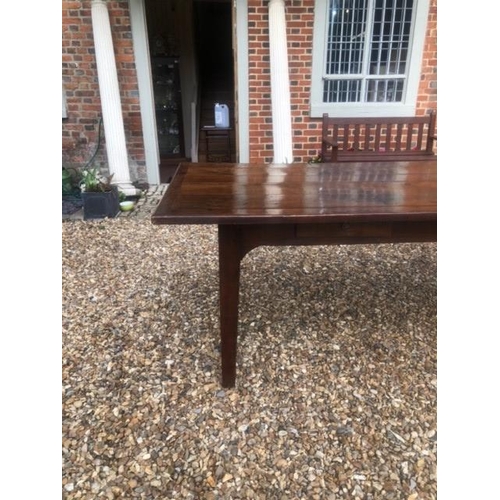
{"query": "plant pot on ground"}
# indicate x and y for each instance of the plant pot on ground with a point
(100, 199)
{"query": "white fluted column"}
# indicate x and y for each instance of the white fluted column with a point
(280, 83)
(112, 117)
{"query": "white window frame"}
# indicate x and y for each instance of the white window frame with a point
(406, 107)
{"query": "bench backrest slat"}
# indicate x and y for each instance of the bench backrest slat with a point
(409, 135)
(431, 133)
(388, 135)
(377, 136)
(399, 136)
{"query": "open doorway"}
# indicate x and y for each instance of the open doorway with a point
(214, 51)
(192, 68)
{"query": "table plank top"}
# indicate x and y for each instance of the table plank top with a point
(234, 193)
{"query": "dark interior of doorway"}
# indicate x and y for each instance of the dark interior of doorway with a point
(165, 37)
(212, 43)
(214, 47)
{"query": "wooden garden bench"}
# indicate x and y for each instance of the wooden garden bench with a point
(372, 139)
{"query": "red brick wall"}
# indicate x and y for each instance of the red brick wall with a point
(427, 91)
(80, 129)
(306, 131)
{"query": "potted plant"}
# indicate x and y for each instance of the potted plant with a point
(100, 199)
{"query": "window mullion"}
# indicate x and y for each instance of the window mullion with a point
(382, 40)
(402, 38)
(329, 37)
(367, 46)
(391, 40)
(409, 47)
(341, 39)
(351, 37)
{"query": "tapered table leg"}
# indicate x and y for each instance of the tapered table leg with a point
(229, 283)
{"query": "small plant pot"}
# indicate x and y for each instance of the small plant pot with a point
(126, 206)
(100, 205)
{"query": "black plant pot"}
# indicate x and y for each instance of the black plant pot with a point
(100, 205)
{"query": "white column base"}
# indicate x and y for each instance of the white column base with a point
(126, 188)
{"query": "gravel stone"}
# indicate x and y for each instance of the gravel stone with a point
(335, 395)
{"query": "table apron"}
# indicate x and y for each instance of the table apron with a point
(336, 233)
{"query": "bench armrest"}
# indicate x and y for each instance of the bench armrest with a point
(326, 154)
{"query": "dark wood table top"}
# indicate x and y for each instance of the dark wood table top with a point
(232, 193)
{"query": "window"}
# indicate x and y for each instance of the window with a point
(367, 56)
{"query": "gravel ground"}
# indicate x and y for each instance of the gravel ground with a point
(336, 382)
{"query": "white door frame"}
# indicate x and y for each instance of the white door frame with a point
(146, 95)
(241, 37)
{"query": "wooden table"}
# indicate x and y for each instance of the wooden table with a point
(297, 204)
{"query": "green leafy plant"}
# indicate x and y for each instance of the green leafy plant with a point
(70, 179)
(92, 181)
